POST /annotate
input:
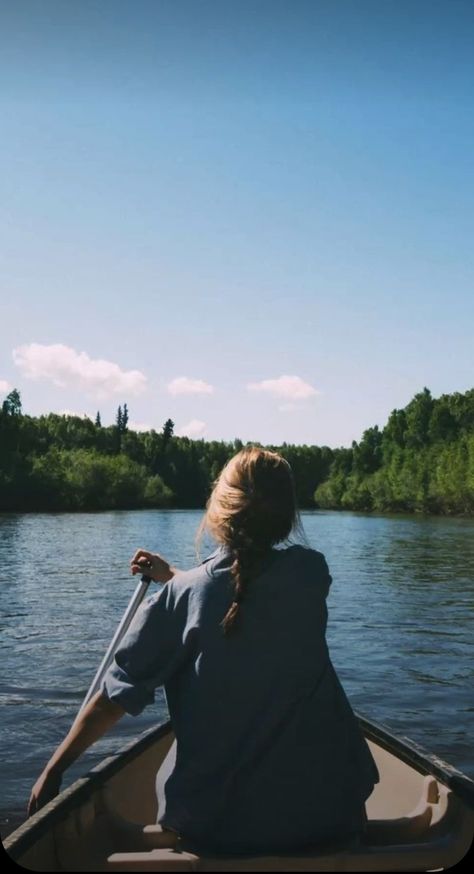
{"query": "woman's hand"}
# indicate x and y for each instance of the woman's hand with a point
(45, 789)
(97, 717)
(152, 565)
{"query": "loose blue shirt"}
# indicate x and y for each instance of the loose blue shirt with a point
(269, 755)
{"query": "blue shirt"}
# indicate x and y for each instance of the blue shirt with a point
(269, 754)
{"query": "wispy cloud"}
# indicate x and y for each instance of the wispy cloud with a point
(194, 428)
(5, 386)
(290, 388)
(65, 367)
(182, 385)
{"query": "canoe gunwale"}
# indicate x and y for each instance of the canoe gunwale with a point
(418, 758)
(24, 837)
(34, 828)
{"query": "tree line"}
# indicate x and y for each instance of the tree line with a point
(423, 460)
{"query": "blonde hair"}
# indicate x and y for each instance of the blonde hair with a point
(251, 508)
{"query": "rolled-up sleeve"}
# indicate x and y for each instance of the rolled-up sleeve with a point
(153, 648)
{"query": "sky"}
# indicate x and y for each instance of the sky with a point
(254, 218)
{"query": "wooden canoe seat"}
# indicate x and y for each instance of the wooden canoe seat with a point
(421, 841)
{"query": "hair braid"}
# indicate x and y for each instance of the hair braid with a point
(247, 558)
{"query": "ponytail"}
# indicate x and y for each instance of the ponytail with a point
(252, 507)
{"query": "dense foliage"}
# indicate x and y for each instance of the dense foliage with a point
(71, 463)
(423, 460)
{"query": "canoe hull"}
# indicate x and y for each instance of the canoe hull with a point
(421, 816)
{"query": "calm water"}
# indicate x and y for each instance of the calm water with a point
(401, 622)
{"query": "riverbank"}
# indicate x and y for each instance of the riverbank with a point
(389, 513)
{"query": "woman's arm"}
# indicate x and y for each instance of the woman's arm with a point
(100, 713)
(90, 724)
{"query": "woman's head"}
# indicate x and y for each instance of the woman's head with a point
(252, 507)
(253, 500)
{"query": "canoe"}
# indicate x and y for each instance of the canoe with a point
(420, 818)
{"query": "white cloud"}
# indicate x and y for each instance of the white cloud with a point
(291, 388)
(5, 386)
(184, 386)
(65, 367)
(73, 413)
(132, 426)
(194, 428)
(138, 426)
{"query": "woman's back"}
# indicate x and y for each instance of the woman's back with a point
(269, 754)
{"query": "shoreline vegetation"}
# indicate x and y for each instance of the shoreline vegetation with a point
(422, 461)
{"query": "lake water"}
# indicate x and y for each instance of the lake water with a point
(401, 623)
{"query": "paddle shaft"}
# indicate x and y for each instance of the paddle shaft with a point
(124, 624)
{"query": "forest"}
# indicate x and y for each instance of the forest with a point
(421, 461)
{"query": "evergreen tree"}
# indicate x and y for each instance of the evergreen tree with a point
(98, 423)
(124, 418)
(168, 431)
(118, 430)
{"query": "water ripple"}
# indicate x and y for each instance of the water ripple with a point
(400, 630)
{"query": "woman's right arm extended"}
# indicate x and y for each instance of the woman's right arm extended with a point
(98, 716)
(101, 713)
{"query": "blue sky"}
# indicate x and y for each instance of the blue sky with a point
(252, 217)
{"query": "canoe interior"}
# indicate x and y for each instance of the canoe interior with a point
(421, 817)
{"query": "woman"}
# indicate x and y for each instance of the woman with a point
(269, 755)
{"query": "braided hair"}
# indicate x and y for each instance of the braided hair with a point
(252, 507)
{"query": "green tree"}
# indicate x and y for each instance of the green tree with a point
(124, 424)
(12, 404)
(156, 493)
(168, 431)
(418, 415)
(422, 461)
(367, 455)
(118, 429)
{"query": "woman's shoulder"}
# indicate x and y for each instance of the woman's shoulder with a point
(297, 552)
(306, 562)
(294, 558)
(200, 574)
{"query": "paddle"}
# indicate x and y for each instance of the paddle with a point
(124, 624)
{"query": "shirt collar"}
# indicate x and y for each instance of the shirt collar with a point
(220, 552)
